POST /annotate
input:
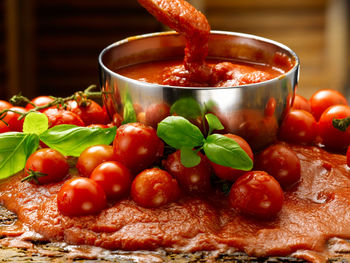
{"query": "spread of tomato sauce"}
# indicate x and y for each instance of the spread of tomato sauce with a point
(315, 210)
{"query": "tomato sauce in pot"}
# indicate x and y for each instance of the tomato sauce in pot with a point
(315, 210)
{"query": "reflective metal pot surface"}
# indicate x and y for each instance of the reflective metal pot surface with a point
(252, 111)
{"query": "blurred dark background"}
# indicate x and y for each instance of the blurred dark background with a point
(52, 46)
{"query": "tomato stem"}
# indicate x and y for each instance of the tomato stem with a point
(341, 124)
(33, 175)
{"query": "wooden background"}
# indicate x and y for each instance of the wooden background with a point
(51, 47)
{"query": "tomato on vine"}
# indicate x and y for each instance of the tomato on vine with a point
(39, 101)
(60, 116)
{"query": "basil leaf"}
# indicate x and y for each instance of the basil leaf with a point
(35, 122)
(189, 158)
(179, 132)
(15, 148)
(129, 114)
(71, 140)
(227, 152)
(188, 108)
(213, 122)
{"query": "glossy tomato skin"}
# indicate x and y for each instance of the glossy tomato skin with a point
(93, 156)
(60, 116)
(5, 105)
(323, 99)
(298, 126)
(39, 101)
(12, 120)
(155, 113)
(332, 137)
(191, 179)
(81, 196)
(154, 187)
(280, 162)
(4, 127)
(229, 173)
(47, 161)
(91, 113)
(114, 177)
(301, 103)
(137, 146)
(257, 194)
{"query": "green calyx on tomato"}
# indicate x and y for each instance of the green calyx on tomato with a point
(179, 133)
(341, 124)
(69, 140)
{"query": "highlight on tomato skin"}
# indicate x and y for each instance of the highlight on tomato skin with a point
(61, 116)
(154, 187)
(280, 162)
(39, 101)
(46, 166)
(301, 103)
(81, 196)
(12, 118)
(93, 156)
(298, 126)
(191, 179)
(229, 173)
(114, 178)
(257, 194)
(322, 99)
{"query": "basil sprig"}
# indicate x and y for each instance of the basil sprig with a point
(70, 140)
(183, 135)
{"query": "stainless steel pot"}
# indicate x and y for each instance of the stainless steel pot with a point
(252, 111)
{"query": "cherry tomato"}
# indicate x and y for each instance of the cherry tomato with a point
(258, 194)
(91, 112)
(46, 166)
(12, 120)
(116, 120)
(156, 112)
(280, 162)
(39, 101)
(301, 103)
(331, 136)
(60, 116)
(93, 156)
(137, 146)
(323, 99)
(114, 178)
(191, 179)
(81, 196)
(5, 105)
(4, 127)
(154, 187)
(298, 126)
(229, 173)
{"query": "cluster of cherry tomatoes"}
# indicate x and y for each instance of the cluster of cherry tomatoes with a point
(136, 165)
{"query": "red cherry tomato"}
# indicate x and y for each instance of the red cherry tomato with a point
(331, 136)
(60, 116)
(90, 113)
(280, 162)
(323, 99)
(46, 166)
(81, 196)
(93, 156)
(258, 194)
(155, 113)
(301, 103)
(229, 173)
(4, 127)
(154, 187)
(298, 126)
(191, 179)
(39, 101)
(12, 120)
(116, 120)
(5, 105)
(114, 178)
(137, 146)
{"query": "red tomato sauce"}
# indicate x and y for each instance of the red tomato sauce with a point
(315, 210)
(222, 74)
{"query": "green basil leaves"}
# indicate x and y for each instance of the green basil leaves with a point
(181, 134)
(70, 140)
